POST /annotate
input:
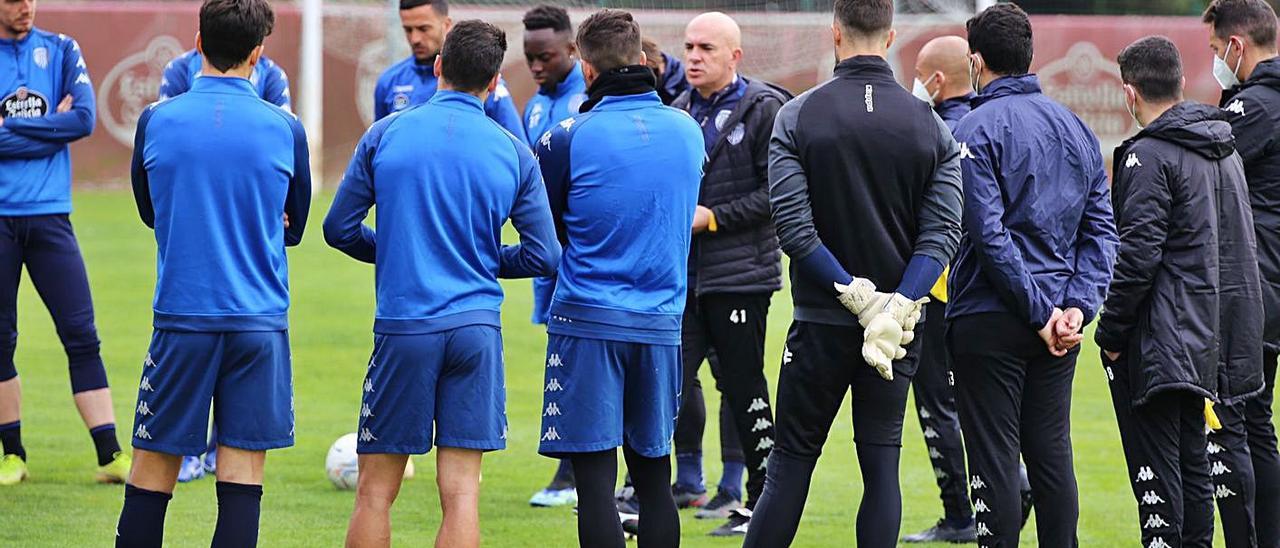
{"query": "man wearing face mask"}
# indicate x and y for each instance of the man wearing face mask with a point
(1243, 39)
(1186, 251)
(413, 81)
(1032, 269)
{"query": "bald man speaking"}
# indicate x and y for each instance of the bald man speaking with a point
(734, 262)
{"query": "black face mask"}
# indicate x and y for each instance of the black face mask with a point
(628, 80)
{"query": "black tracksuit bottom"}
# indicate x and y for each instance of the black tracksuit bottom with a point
(1165, 450)
(1013, 394)
(936, 406)
(733, 325)
(1248, 485)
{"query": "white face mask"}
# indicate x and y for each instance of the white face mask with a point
(1133, 110)
(1222, 72)
(974, 74)
(922, 92)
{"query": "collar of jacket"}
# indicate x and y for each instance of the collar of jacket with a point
(738, 86)
(963, 100)
(428, 67)
(1193, 126)
(559, 88)
(622, 81)
(223, 84)
(1004, 86)
(864, 65)
(457, 99)
(21, 42)
(1266, 73)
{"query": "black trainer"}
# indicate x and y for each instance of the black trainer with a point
(946, 532)
(719, 507)
(739, 521)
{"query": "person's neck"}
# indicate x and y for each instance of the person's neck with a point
(1251, 64)
(551, 86)
(1154, 111)
(10, 34)
(243, 70)
(708, 90)
(849, 52)
(949, 94)
(482, 95)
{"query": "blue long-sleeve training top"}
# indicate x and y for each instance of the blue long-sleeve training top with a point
(623, 182)
(1038, 227)
(268, 78)
(36, 73)
(444, 180)
(215, 172)
(548, 107)
(410, 83)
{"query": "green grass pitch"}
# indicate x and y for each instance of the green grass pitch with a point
(331, 319)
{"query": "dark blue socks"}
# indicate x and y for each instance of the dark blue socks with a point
(142, 518)
(104, 442)
(11, 439)
(239, 507)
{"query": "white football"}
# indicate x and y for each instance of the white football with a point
(342, 463)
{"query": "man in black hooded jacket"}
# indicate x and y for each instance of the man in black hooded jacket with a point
(1182, 323)
(1243, 39)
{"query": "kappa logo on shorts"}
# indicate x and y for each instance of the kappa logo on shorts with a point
(145, 385)
(1154, 521)
(983, 530)
(1214, 448)
(365, 412)
(552, 410)
(980, 506)
(757, 404)
(366, 436)
(977, 483)
(1236, 106)
(1219, 469)
(761, 424)
(1158, 542)
(551, 435)
(555, 361)
(144, 409)
(1145, 474)
(930, 433)
(1223, 492)
(765, 443)
(142, 432)
(1150, 498)
(148, 362)
(553, 385)
(368, 385)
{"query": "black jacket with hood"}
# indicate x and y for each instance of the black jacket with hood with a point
(742, 255)
(1185, 308)
(1253, 108)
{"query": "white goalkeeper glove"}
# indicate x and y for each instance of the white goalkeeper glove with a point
(861, 298)
(889, 332)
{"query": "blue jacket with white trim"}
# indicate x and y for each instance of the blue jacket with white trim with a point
(268, 78)
(36, 73)
(215, 172)
(1038, 227)
(625, 267)
(444, 179)
(410, 83)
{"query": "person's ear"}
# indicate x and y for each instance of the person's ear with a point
(588, 72)
(1183, 84)
(940, 78)
(493, 83)
(893, 35)
(736, 56)
(256, 55)
(836, 36)
(437, 67)
(199, 44)
(448, 24)
(644, 59)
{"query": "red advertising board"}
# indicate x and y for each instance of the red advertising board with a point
(127, 44)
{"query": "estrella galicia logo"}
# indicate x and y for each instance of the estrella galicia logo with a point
(24, 103)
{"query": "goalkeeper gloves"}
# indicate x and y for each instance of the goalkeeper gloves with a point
(889, 332)
(861, 298)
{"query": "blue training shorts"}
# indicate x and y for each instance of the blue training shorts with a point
(445, 387)
(246, 375)
(599, 394)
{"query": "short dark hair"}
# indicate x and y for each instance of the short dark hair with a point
(230, 29)
(548, 17)
(1252, 18)
(609, 39)
(472, 55)
(441, 6)
(865, 17)
(1002, 35)
(1153, 66)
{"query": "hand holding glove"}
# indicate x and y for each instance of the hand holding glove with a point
(861, 298)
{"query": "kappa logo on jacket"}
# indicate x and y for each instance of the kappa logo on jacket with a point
(1132, 161)
(869, 98)
(1236, 106)
(964, 152)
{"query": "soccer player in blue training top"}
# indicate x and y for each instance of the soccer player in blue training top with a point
(273, 86)
(550, 53)
(268, 78)
(1182, 323)
(1033, 266)
(436, 374)
(1242, 35)
(46, 102)
(222, 176)
(412, 81)
(613, 354)
(869, 222)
